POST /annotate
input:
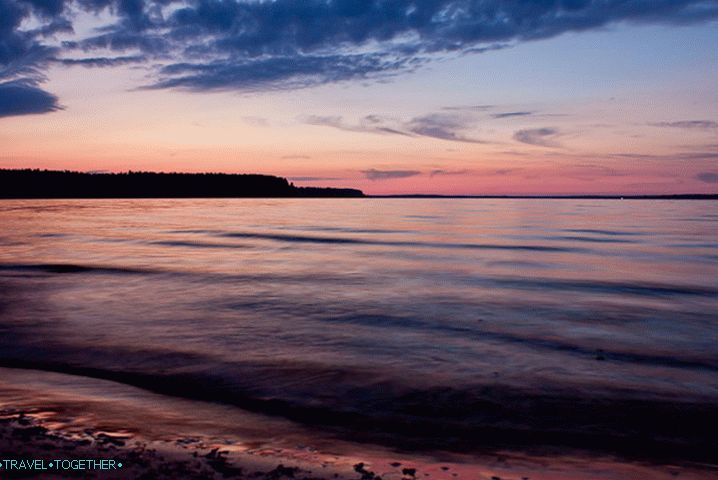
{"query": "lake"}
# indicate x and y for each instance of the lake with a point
(427, 324)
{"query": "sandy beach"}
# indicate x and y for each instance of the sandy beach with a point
(45, 417)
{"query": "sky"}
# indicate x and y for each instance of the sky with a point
(389, 96)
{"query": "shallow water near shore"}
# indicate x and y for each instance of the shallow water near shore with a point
(164, 437)
(458, 325)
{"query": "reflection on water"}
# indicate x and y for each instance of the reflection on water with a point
(576, 322)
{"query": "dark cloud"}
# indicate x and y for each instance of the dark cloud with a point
(373, 174)
(689, 124)
(47, 8)
(25, 98)
(248, 45)
(101, 61)
(23, 56)
(274, 73)
(258, 45)
(708, 177)
(543, 137)
(276, 44)
(511, 114)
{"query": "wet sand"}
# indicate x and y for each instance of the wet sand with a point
(53, 416)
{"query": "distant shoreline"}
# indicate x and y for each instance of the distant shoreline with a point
(682, 196)
(64, 184)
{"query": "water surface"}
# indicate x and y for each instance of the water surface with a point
(438, 323)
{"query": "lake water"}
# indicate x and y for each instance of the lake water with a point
(453, 324)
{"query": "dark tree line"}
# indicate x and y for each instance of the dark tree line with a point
(67, 184)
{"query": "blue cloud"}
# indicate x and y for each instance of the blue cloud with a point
(24, 98)
(102, 61)
(249, 45)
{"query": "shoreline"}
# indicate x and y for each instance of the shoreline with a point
(48, 415)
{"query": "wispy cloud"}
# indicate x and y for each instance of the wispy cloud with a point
(469, 108)
(255, 121)
(314, 179)
(443, 126)
(708, 177)
(441, 172)
(101, 61)
(374, 174)
(543, 137)
(369, 124)
(505, 171)
(501, 115)
(707, 155)
(689, 124)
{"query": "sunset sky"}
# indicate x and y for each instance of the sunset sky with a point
(390, 96)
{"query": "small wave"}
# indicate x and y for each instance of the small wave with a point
(601, 232)
(390, 322)
(392, 243)
(69, 268)
(324, 228)
(617, 288)
(195, 244)
(576, 238)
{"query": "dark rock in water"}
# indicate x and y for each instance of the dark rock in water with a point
(409, 471)
(105, 439)
(282, 471)
(395, 464)
(365, 474)
(23, 420)
(29, 432)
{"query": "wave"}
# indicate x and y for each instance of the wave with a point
(595, 286)
(195, 244)
(444, 418)
(396, 243)
(531, 341)
(601, 232)
(641, 289)
(69, 268)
